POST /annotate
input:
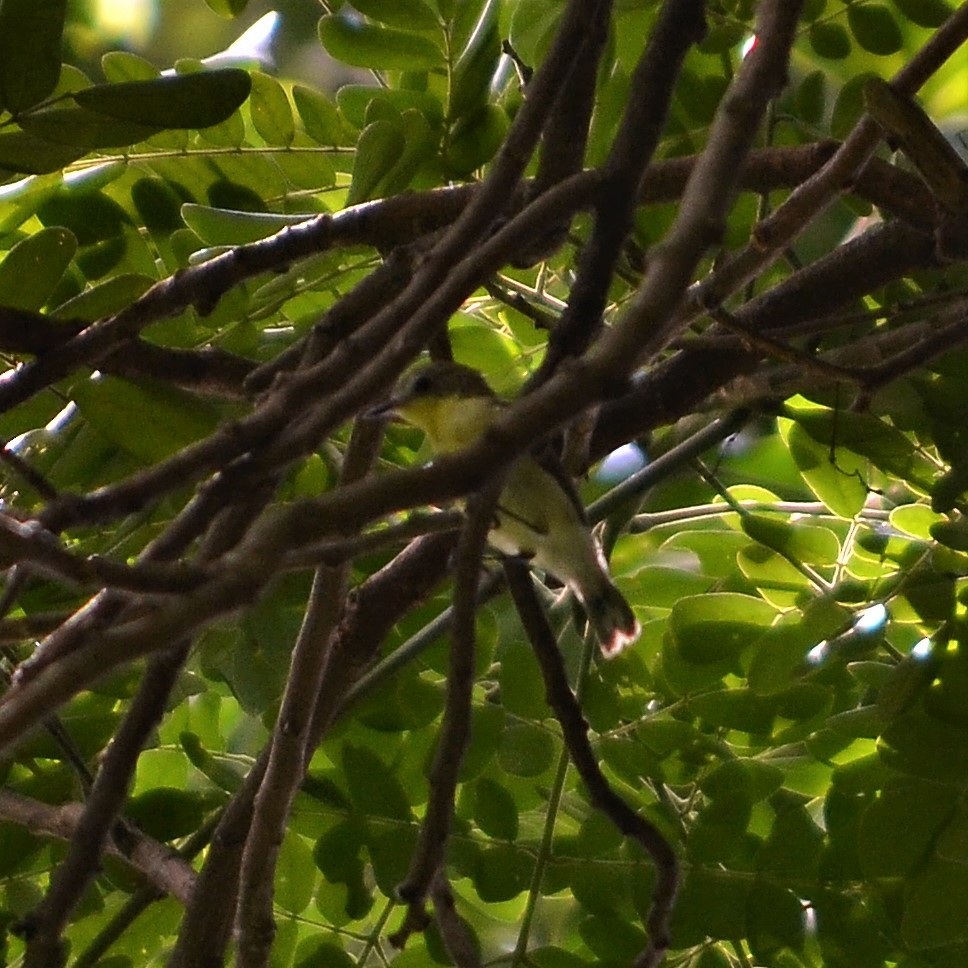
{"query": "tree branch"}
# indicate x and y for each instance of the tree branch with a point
(575, 731)
(428, 857)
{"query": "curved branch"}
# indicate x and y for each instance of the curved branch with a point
(575, 731)
(160, 865)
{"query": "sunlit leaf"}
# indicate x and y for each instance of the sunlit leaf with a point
(33, 267)
(271, 113)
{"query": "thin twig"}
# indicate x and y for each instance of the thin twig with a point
(575, 731)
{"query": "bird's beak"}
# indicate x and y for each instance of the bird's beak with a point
(387, 409)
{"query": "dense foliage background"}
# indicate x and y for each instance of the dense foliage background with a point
(238, 621)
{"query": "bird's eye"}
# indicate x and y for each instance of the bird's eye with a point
(421, 384)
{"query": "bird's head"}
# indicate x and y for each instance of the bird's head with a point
(451, 403)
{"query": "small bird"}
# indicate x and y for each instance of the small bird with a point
(538, 516)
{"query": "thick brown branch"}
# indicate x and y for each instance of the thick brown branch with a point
(429, 854)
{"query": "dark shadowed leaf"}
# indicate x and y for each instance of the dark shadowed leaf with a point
(874, 28)
(228, 8)
(924, 13)
(30, 51)
(176, 101)
(77, 126)
(21, 151)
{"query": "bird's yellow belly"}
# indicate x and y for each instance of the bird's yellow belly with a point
(536, 519)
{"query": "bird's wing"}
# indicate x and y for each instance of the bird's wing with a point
(549, 462)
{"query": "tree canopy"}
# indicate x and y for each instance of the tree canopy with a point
(269, 696)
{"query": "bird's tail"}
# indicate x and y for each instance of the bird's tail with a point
(613, 620)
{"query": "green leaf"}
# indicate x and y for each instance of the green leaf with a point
(380, 146)
(271, 113)
(837, 479)
(175, 101)
(738, 709)
(849, 106)
(158, 205)
(376, 47)
(17, 845)
(495, 811)
(709, 628)
(850, 931)
(719, 831)
(556, 958)
(952, 844)
(77, 126)
(472, 75)
(526, 750)
(811, 97)
(220, 226)
(374, 789)
(829, 40)
(898, 829)
(874, 28)
(487, 728)
(149, 421)
(320, 118)
(775, 921)
(476, 138)
(522, 688)
(916, 520)
(104, 299)
(712, 957)
(354, 100)
(120, 66)
(33, 267)
(225, 773)
(922, 746)
(598, 836)
(420, 147)
(780, 653)
(30, 51)
(533, 24)
(314, 952)
(406, 14)
(865, 434)
(936, 908)
(337, 854)
(228, 8)
(793, 847)
(801, 542)
(757, 779)
(711, 904)
(21, 151)
(295, 874)
(609, 937)
(499, 874)
(390, 852)
(924, 13)
(166, 812)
